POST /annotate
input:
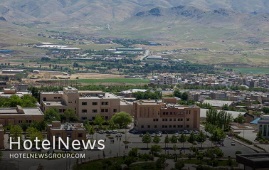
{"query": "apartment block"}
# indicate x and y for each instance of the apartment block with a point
(86, 104)
(164, 79)
(159, 116)
(18, 115)
(71, 130)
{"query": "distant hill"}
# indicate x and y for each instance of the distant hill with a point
(103, 11)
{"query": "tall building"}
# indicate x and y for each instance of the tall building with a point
(86, 104)
(158, 116)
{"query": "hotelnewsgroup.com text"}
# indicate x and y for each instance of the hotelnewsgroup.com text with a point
(47, 155)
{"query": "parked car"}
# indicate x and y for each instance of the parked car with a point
(119, 135)
(100, 131)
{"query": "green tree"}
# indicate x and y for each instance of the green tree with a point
(217, 135)
(156, 139)
(179, 165)
(99, 120)
(155, 149)
(69, 116)
(220, 119)
(160, 163)
(122, 119)
(184, 96)
(182, 139)
(15, 132)
(51, 114)
(146, 138)
(240, 119)
(32, 133)
(201, 138)
(192, 138)
(177, 93)
(14, 100)
(133, 152)
(166, 141)
(265, 110)
(173, 139)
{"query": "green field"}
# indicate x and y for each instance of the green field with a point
(114, 80)
(251, 70)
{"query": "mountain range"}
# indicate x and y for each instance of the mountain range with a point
(104, 11)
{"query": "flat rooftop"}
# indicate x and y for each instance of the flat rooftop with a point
(55, 92)
(259, 160)
(26, 111)
(105, 96)
(218, 103)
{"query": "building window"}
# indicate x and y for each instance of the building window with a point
(80, 135)
(170, 126)
(187, 126)
(188, 119)
(170, 119)
(93, 118)
(175, 119)
(174, 126)
(94, 103)
(114, 110)
(94, 110)
(83, 118)
(155, 126)
(104, 110)
(84, 103)
(148, 126)
(104, 103)
(84, 110)
(106, 117)
(142, 126)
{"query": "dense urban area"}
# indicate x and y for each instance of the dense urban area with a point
(153, 111)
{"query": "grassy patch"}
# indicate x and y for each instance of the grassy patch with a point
(114, 80)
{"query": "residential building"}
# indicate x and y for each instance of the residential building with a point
(86, 104)
(8, 92)
(72, 130)
(263, 125)
(18, 115)
(159, 116)
(165, 79)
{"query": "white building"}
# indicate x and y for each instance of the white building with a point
(164, 80)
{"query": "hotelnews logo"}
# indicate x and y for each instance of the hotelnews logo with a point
(53, 145)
